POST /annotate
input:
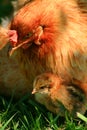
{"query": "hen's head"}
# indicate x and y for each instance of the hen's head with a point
(37, 24)
(41, 24)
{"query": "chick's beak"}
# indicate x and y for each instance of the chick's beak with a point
(34, 91)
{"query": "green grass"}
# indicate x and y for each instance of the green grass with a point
(26, 114)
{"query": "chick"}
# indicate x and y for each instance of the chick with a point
(57, 96)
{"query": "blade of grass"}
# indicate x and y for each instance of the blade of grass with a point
(5, 125)
(82, 117)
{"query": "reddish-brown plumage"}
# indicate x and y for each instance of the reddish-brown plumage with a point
(52, 37)
(62, 41)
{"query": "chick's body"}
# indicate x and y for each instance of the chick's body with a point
(57, 97)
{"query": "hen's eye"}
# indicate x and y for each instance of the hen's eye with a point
(28, 35)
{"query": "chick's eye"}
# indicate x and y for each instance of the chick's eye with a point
(45, 86)
(42, 87)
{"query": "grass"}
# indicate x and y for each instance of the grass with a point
(26, 114)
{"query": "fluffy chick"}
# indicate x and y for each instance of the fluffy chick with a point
(50, 91)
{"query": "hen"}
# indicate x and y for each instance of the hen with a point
(51, 36)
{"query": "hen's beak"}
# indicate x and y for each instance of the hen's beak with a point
(20, 45)
(34, 91)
